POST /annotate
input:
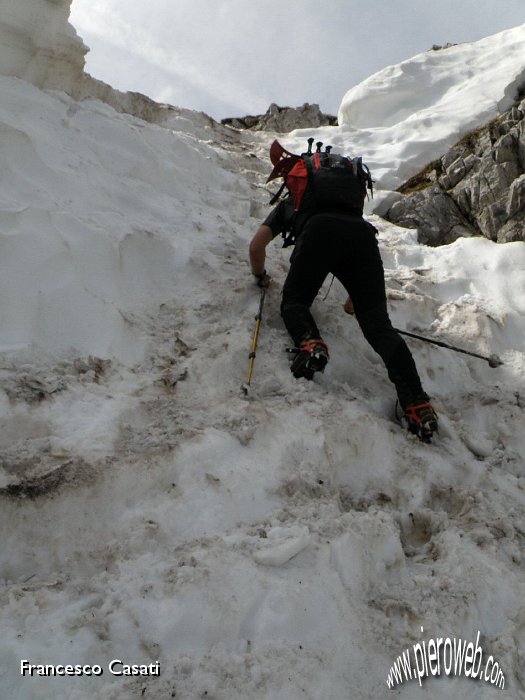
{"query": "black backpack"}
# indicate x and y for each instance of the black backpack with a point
(320, 181)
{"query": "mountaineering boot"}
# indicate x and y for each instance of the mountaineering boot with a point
(421, 419)
(311, 356)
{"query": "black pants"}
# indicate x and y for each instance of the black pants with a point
(346, 246)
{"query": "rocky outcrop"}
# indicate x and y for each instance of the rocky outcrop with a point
(477, 188)
(284, 119)
(141, 106)
(442, 47)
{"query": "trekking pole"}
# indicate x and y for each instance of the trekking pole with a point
(246, 386)
(493, 360)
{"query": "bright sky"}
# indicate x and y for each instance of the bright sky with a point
(233, 57)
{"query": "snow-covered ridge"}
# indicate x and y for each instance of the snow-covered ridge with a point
(440, 85)
(409, 114)
(38, 44)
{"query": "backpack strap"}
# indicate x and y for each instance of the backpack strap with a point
(279, 192)
(363, 172)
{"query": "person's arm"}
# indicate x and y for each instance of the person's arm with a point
(258, 244)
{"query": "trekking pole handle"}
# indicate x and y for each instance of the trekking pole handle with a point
(261, 304)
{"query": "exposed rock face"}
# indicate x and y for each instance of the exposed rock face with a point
(441, 47)
(477, 188)
(284, 119)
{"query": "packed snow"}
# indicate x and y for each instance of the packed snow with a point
(291, 544)
(38, 44)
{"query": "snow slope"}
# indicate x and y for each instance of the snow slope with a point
(289, 545)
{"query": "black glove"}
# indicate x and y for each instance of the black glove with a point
(263, 280)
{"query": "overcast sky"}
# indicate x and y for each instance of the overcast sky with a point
(234, 57)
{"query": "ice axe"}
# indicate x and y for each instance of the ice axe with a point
(493, 360)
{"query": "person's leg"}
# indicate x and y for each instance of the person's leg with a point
(308, 270)
(360, 270)
(402, 372)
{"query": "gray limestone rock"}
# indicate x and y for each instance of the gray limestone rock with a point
(434, 214)
(283, 119)
(477, 188)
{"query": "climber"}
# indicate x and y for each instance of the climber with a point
(338, 240)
